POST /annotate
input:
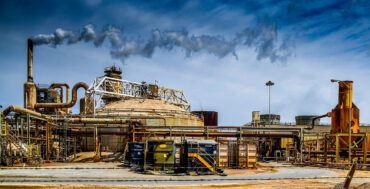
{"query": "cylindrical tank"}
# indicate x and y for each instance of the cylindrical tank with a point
(256, 116)
(270, 119)
(306, 120)
(210, 117)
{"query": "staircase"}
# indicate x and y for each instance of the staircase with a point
(204, 158)
(12, 138)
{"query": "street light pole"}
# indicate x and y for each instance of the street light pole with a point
(269, 84)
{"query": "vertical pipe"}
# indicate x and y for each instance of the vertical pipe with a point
(349, 125)
(302, 143)
(29, 60)
(93, 104)
(364, 146)
(270, 104)
(22, 126)
(47, 143)
(28, 130)
(337, 148)
(1, 119)
(65, 141)
(96, 141)
(74, 147)
(17, 124)
(325, 149)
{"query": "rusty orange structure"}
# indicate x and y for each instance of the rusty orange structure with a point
(345, 111)
(345, 133)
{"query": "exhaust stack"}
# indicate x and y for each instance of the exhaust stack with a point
(29, 60)
(29, 86)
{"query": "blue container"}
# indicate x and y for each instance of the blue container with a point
(136, 153)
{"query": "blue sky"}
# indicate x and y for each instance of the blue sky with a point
(298, 44)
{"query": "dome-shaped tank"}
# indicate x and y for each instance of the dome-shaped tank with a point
(153, 112)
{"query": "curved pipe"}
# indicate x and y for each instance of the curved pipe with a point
(318, 117)
(60, 86)
(65, 105)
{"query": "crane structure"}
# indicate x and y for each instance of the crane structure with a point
(103, 88)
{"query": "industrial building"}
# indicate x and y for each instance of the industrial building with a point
(154, 130)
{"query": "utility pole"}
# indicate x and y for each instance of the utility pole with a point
(269, 84)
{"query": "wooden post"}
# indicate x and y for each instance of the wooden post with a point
(349, 177)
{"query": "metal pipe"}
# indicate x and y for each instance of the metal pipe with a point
(68, 104)
(198, 134)
(1, 117)
(102, 121)
(60, 86)
(318, 117)
(29, 60)
(350, 128)
(18, 109)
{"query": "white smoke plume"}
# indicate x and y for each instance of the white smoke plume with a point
(262, 38)
(87, 34)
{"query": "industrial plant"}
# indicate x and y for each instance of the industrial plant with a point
(151, 129)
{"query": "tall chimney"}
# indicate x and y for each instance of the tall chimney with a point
(30, 95)
(29, 60)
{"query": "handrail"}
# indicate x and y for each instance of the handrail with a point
(202, 160)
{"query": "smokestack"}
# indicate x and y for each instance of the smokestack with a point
(29, 86)
(29, 60)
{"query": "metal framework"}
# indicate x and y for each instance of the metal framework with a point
(111, 87)
(333, 141)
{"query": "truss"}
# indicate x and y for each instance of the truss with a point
(107, 87)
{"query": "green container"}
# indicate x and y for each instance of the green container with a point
(164, 155)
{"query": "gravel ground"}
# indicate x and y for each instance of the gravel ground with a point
(112, 174)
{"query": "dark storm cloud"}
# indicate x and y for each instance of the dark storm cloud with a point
(310, 20)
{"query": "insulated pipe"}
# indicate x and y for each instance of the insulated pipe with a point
(68, 104)
(102, 121)
(29, 60)
(60, 86)
(18, 109)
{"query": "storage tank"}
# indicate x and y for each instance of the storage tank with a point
(150, 109)
(256, 117)
(306, 120)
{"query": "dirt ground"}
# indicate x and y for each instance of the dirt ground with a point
(283, 184)
(84, 168)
